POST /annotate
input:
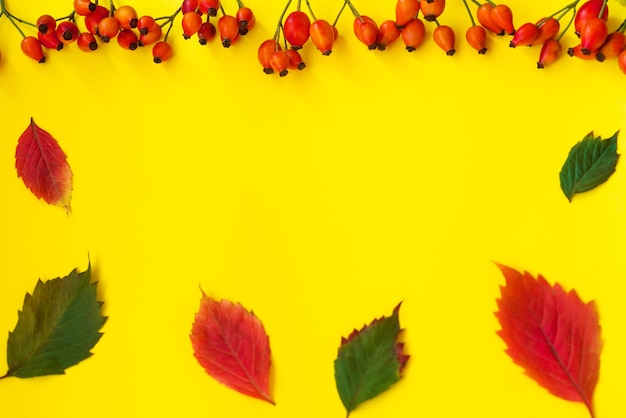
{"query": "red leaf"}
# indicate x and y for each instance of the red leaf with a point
(43, 166)
(552, 334)
(232, 346)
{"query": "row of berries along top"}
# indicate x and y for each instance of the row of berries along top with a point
(298, 25)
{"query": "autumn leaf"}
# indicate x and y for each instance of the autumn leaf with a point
(57, 327)
(232, 346)
(590, 163)
(369, 361)
(42, 165)
(552, 334)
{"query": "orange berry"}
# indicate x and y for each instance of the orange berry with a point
(483, 14)
(162, 51)
(246, 20)
(265, 52)
(432, 9)
(612, 47)
(50, 40)
(406, 10)
(45, 24)
(87, 42)
(476, 36)
(295, 60)
(93, 19)
(587, 11)
(228, 28)
(128, 39)
(592, 35)
(621, 61)
(387, 34)
(67, 32)
(503, 17)
(525, 35)
(323, 36)
(108, 28)
(280, 62)
(31, 47)
(548, 29)
(413, 34)
(84, 7)
(296, 29)
(191, 23)
(146, 24)
(444, 37)
(550, 52)
(366, 31)
(126, 16)
(576, 51)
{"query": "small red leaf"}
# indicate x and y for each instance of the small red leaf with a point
(552, 334)
(232, 346)
(43, 166)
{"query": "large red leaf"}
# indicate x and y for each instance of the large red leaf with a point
(232, 346)
(552, 334)
(43, 166)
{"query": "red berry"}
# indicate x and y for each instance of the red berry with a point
(483, 14)
(295, 60)
(406, 10)
(50, 40)
(503, 17)
(128, 39)
(432, 9)
(126, 16)
(297, 29)
(189, 6)
(31, 47)
(444, 37)
(209, 7)
(613, 45)
(93, 19)
(191, 23)
(246, 20)
(476, 36)
(548, 29)
(228, 28)
(525, 35)
(576, 51)
(146, 24)
(87, 42)
(67, 32)
(206, 33)
(45, 24)
(413, 34)
(84, 7)
(592, 35)
(387, 33)
(587, 11)
(323, 36)
(108, 28)
(266, 50)
(162, 51)
(280, 62)
(621, 61)
(550, 52)
(366, 31)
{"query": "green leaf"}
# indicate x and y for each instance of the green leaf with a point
(590, 163)
(369, 361)
(57, 327)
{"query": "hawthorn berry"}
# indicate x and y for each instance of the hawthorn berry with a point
(265, 52)
(406, 10)
(191, 23)
(162, 51)
(476, 37)
(206, 33)
(413, 34)
(323, 36)
(592, 35)
(67, 32)
(246, 20)
(46, 23)
(483, 14)
(431, 10)
(444, 37)
(525, 35)
(87, 42)
(503, 17)
(550, 52)
(228, 28)
(31, 47)
(366, 31)
(296, 29)
(128, 39)
(126, 16)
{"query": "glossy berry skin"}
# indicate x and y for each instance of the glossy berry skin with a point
(525, 35)
(387, 34)
(548, 29)
(483, 14)
(587, 11)
(228, 27)
(50, 40)
(93, 19)
(87, 42)
(366, 31)
(433, 9)
(67, 32)
(191, 23)
(45, 24)
(280, 62)
(209, 7)
(297, 29)
(206, 33)
(444, 37)
(621, 61)
(128, 39)
(108, 28)
(84, 7)
(406, 10)
(323, 36)
(146, 24)
(592, 35)
(503, 17)
(295, 60)
(476, 37)
(126, 16)
(550, 52)
(31, 47)
(576, 51)
(265, 52)
(246, 20)
(189, 6)
(413, 34)
(162, 51)
(614, 44)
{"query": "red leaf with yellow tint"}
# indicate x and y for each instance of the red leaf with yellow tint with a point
(232, 346)
(552, 334)
(43, 166)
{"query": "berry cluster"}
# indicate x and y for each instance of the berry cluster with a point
(102, 25)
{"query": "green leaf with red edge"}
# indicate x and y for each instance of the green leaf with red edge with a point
(370, 361)
(231, 344)
(57, 327)
(552, 334)
(42, 165)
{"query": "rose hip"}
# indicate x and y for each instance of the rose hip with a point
(592, 35)
(550, 52)
(297, 29)
(476, 37)
(413, 34)
(444, 37)
(323, 36)
(406, 10)
(387, 34)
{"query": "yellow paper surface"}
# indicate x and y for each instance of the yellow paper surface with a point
(320, 201)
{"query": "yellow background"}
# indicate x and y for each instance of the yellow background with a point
(319, 200)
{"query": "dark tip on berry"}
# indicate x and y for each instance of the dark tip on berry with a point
(373, 46)
(226, 43)
(60, 46)
(570, 52)
(92, 6)
(186, 36)
(482, 51)
(132, 46)
(67, 35)
(105, 39)
(93, 46)
(501, 33)
(410, 48)
(43, 28)
(450, 52)
(212, 12)
(283, 73)
(268, 70)
(585, 51)
(133, 22)
(430, 18)
(243, 23)
(296, 47)
(381, 47)
(143, 31)
(301, 66)
(540, 65)
(243, 31)
(600, 57)
(512, 44)
(327, 53)
(202, 41)
(42, 60)
(157, 60)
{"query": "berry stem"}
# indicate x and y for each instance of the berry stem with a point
(561, 12)
(240, 4)
(299, 5)
(168, 20)
(602, 8)
(70, 17)
(308, 5)
(621, 27)
(222, 9)
(469, 12)
(436, 22)
(355, 12)
(571, 20)
(11, 17)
